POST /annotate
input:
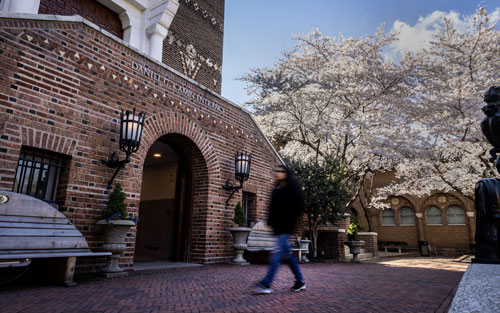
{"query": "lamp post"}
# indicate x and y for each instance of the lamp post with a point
(241, 172)
(131, 126)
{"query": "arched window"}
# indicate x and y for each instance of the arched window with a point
(433, 216)
(455, 215)
(388, 217)
(406, 216)
(353, 213)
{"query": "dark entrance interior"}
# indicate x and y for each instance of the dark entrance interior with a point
(163, 231)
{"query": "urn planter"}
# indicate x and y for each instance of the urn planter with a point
(355, 249)
(114, 242)
(240, 237)
(304, 247)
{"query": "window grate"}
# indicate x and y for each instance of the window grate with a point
(37, 174)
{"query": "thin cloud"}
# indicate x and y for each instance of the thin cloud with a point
(414, 38)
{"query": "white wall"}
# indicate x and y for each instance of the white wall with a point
(145, 22)
(20, 6)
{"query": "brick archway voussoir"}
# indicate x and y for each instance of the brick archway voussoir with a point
(163, 123)
(48, 141)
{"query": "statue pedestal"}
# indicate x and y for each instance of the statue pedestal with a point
(484, 261)
(476, 291)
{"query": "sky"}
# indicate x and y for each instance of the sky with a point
(256, 32)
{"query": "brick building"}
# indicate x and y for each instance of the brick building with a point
(64, 79)
(445, 220)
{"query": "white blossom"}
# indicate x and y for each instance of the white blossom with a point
(419, 116)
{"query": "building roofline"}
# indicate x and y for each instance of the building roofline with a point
(79, 19)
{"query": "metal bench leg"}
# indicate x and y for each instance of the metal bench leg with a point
(69, 271)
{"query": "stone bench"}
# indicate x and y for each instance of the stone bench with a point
(32, 229)
(262, 241)
(386, 248)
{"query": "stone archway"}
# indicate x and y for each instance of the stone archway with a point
(192, 141)
(174, 183)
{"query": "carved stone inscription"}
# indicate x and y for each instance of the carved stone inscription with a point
(176, 87)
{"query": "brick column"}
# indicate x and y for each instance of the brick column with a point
(471, 223)
(331, 242)
(370, 239)
(420, 226)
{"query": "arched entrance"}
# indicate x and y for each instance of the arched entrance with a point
(171, 166)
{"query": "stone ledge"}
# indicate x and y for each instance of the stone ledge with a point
(478, 290)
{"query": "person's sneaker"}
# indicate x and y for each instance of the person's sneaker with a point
(260, 288)
(298, 286)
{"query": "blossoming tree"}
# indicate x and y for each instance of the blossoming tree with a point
(419, 117)
(336, 96)
(453, 73)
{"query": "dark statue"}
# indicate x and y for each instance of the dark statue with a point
(487, 193)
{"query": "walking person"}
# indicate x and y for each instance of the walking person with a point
(287, 204)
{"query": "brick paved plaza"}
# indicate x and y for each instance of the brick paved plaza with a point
(399, 285)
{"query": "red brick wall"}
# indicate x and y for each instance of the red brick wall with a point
(89, 9)
(444, 236)
(62, 87)
(194, 24)
(331, 242)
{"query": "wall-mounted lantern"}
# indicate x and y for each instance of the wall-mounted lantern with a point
(131, 127)
(241, 172)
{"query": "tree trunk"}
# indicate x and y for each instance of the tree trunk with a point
(315, 241)
(367, 215)
(365, 200)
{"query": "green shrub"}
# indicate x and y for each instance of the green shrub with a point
(352, 232)
(239, 215)
(391, 243)
(116, 208)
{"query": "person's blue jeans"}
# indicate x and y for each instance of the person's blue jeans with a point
(284, 252)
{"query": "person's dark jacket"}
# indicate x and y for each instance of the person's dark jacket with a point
(287, 205)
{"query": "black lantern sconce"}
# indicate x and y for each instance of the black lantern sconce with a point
(241, 172)
(131, 127)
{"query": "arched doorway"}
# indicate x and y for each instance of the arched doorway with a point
(166, 206)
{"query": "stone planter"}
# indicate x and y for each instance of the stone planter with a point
(114, 242)
(355, 249)
(240, 237)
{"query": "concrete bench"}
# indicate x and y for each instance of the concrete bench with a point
(261, 238)
(385, 248)
(32, 229)
(261, 241)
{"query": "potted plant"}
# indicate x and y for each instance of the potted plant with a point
(240, 235)
(117, 224)
(353, 241)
